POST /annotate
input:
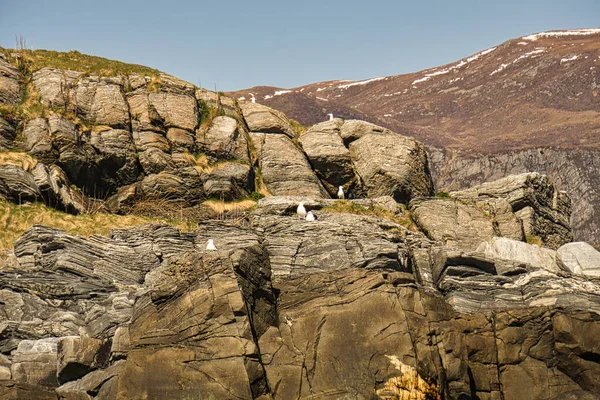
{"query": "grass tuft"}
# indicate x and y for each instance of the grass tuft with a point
(298, 127)
(533, 239)
(344, 206)
(19, 159)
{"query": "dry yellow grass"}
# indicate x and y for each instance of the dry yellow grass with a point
(345, 206)
(201, 164)
(19, 159)
(223, 207)
(16, 219)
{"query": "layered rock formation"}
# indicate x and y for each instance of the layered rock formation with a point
(350, 305)
(393, 294)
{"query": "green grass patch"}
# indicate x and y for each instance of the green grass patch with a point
(33, 60)
(298, 127)
(534, 239)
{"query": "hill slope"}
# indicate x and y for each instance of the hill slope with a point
(538, 90)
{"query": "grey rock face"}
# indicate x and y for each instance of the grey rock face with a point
(227, 104)
(333, 242)
(544, 211)
(261, 118)
(328, 156)
(281, 296)
(175, 110)
(17, 185)
(229, 181)
(7, 134)
(54, 86)
(55, 189)
(514, 250)
(10, 92)
(78, 355)
(38, 140)
(392, 165)
(453, 223)
(224, 139)
(34, 362)
(101, 101)
(574, 171)
(355, 129)
(285, 170)
(117, 162)
(579, 258)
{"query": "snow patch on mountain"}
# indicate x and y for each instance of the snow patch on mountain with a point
(462, 63)
(574, 32)
(347, 85)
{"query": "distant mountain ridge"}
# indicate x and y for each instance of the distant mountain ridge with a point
(537, 90)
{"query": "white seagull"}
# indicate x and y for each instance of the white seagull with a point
(340, 193)
(330, 116)
(310, 216)
(211, 245)
(301, 211)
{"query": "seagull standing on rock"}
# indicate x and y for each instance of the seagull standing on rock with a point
(310, 216)
(330, 116)
(301, 211)
(211, 245)
(340, 193)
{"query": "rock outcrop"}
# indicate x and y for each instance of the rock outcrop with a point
(269, 314)
(390, 294)
(572, 171)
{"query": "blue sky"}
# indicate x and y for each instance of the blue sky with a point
(239, 44)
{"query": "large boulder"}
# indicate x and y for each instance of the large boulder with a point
(452, 223)
(55, 188)
(284, 168)
(54, 86)
(229, 181)
(175, 109)
(101, 101)
(392, 165)
(261, 118)
(103, 382)
(38, 141)
(34, 362)
(78, 355)
(117, 157)
(169, 104)
(297, 246)
(218, 101)
(544, 211)
(328, 156)
(187, 185)
(153, 152)
(579, 258)
(224, 139)
(515, 250)
(18, 185)
(354, 129)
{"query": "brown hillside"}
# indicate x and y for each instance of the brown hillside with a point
(540, 90)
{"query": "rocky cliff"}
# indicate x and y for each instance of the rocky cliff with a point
(574, 171)
(391, 293)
